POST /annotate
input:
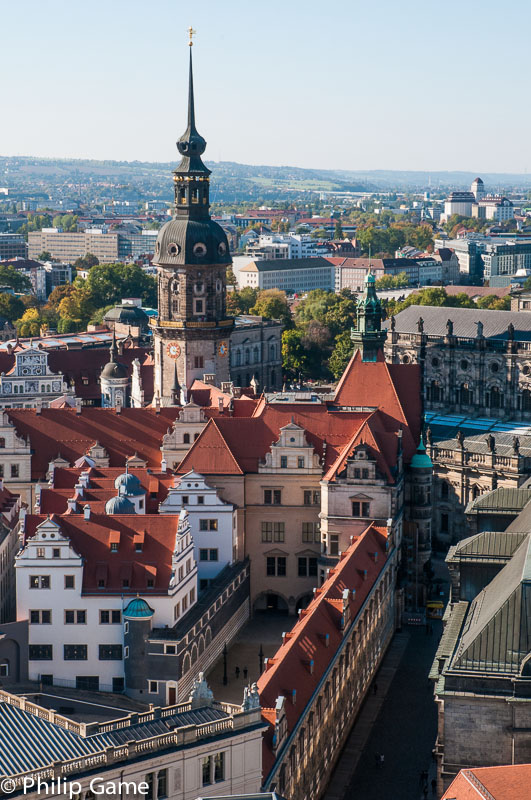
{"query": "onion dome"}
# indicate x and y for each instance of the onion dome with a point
(114, 369)
(119, 505)
(128, 484)
(138, 609)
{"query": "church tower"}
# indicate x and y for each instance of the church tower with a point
(368, 336)
(192, 330)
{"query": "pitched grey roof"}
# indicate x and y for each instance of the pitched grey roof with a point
(488, 545)
(502, 500)
(478, 444)
(496, 637)
(495, 323)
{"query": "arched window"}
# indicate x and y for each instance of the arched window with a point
(465, 395)
(526, 401)
(256, 355)
(247, 356)
(272, 352)
(495, 398)
(435, 392)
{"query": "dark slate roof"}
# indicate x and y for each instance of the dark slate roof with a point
(495, 323)
(478, 444)
(29, 742)
(522, 523)
(496, 636)
(488, 546)
(502, 500)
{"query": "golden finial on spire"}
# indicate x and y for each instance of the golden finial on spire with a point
(191, 34)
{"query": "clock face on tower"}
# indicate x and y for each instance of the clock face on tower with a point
(223, 349)
(173, 349)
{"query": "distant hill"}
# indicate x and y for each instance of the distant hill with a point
(97, 181)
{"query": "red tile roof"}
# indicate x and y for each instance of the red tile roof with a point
(393, 388)
(289, 669)
(90, 539)
(509, 782)
(54, 500)
(62, 430)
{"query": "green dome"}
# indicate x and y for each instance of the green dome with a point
(138, 609)
(119, 505)
(421, 459)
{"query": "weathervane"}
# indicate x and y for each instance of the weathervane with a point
(191, 34)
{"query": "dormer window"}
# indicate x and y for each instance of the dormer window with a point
(114, 547)
(283, 462)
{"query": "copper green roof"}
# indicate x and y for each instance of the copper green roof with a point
(138, 609)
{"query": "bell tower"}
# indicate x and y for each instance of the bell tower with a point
(368, 336)
(191, 333)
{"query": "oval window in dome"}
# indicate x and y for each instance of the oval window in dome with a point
(173, 249)
(200, 249)
(222, 248)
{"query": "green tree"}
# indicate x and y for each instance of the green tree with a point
(338, 230)
(294, 354)
(341, 354)
(241, 302)
(57, 294)
(11, 307)
(86, 262)
(30, 323)
(320, 233)
(273, 304)
(45, 256)
(231, 277)
(9, 276)
(109, 283)
(75, 310)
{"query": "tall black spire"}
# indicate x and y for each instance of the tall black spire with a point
(191, 176)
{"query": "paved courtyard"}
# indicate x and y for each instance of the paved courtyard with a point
(263, 630)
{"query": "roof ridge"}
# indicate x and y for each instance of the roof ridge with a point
(469, 776)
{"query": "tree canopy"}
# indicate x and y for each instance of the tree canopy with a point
(9, 276)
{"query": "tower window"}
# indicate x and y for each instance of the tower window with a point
(195, 196)
(198, 307)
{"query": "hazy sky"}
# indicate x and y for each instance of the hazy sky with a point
(389, 84)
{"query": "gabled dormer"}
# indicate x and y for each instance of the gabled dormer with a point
(361, 464)
(291, 453)
(49, 543)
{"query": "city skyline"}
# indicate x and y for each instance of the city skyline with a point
(280, 94)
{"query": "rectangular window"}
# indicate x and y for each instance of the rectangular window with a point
(213, 554)
(110, 616)
(365, 509)
(110, 652)
(75, 652)
(356, 508)
(283, 462)
(70, 582)
(205, 772)
(114, 547)
(307, 497)
(170, 649)
(276, 566)
(40, 652)
(208, 524)
(153, 687)
(40, 617)
(198, 306)
(272, 497)
(75, 617)
(310, 532)
(148, 790)
(334, 545)
(162, 784)
(307, 567)
(300, 462)
(200, 500)
(56, 552)
(40, 552)
(267, 531)
(39, 581)
(14, 470)
(203, 554)
(219, 767)
(365, 474)
(176, 611)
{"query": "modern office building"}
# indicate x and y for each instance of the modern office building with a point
(13, 245)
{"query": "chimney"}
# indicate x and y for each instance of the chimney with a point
(84, 479)
(86, 512)
(163, 465)
(220, 405)
(237, 391)
(209, 378)
(118, 406)
(72, 504)
(157, 404)
(226, 387)
(79, 487)
(38, 406)
(78, 405)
